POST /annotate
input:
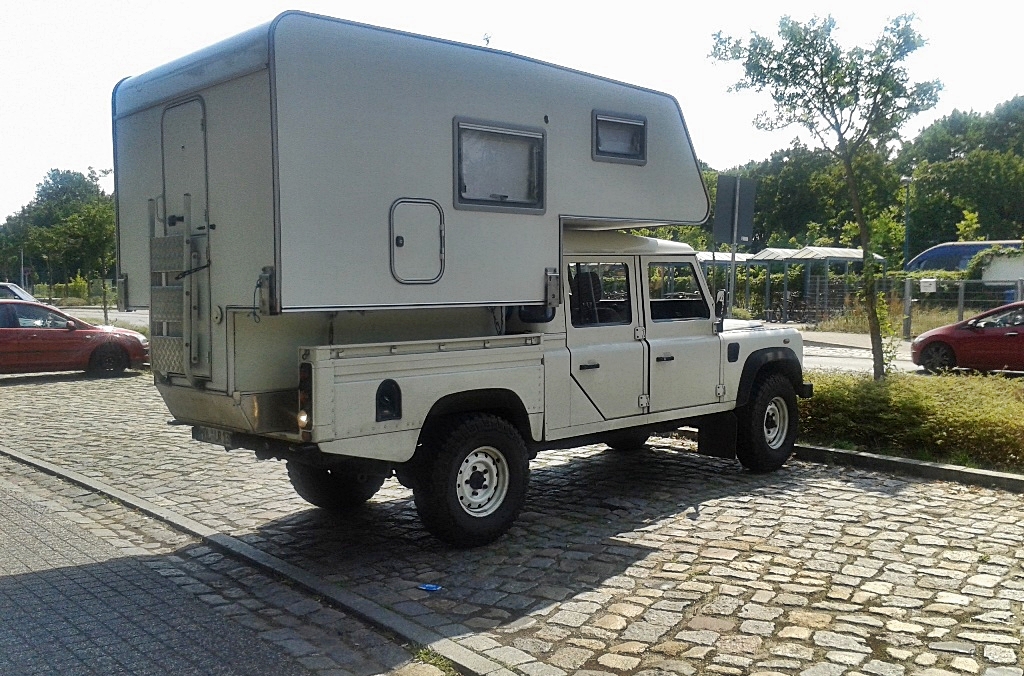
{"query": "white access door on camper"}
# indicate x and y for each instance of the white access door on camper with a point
(183, 133)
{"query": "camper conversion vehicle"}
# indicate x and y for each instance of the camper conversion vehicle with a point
(372, 254)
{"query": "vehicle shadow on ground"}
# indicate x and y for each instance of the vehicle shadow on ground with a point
(15, 379)
(593, 522)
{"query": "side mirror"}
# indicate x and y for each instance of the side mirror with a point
(720, 303)
(70, 325)
(720, 311)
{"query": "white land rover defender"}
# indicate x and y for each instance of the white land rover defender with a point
(370, 253)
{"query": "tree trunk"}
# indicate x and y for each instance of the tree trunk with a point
(870, 293)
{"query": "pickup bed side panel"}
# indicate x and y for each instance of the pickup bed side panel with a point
(345, 389)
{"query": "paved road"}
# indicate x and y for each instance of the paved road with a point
(854, 359)
(652, 562)
(74, 603)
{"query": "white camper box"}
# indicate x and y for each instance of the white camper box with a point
(314, 164)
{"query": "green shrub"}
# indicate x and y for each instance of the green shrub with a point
(70, 301)
(950, 418)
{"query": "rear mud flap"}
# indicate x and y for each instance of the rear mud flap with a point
(716, 435)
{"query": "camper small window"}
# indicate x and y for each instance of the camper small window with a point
(498, 168)
(619, 138)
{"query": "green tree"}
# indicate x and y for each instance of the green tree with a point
(967, 229)
(851, 102)
(66, 229)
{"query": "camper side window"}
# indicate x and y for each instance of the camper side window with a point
(498, 168)
(619, 138)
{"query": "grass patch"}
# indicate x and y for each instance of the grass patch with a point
(969, 420)
(428, 656)
(853, 318)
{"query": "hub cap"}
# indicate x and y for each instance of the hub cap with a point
(482, 481)
(776, 423)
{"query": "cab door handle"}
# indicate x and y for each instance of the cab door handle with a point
(589, 367)
(666, 358)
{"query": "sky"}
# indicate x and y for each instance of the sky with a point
(60, 59)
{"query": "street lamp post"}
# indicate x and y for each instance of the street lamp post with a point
(906, 181)
(907, 288)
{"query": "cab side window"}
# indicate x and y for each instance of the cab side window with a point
(675, 292)
(599, 294)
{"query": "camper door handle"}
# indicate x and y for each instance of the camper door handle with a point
(589, 367)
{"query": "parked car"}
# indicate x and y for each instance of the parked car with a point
(991, 341)
(15, 292)
(35, 337)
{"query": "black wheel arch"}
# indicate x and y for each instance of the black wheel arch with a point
(496, 401)
(768, 361)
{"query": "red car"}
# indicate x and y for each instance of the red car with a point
(991, 341)
(35, 338)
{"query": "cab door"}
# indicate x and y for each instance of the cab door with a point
(685, 352)
(605, 339)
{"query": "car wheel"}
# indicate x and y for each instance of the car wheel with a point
(108, 360)
(627, 440)
(337, 489)
(473, 478)
(768, 425)
(936, 357)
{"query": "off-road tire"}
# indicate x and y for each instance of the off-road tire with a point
(473, 476)
(626, 440)
(108, 360)
(937, 357)
(336, 489)
(767, 425)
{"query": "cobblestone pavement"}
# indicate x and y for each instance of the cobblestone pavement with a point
(648, 562)
(90, 587)
(75, 604)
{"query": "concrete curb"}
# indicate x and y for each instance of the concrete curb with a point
(465, 660)
(918, 468)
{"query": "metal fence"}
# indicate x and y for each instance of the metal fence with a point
(924, 303)
(966, 297)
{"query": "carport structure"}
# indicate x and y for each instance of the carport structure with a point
(817, 294)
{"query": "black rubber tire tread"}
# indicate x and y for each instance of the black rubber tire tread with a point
(108, 360)
(752, 450)
(338, 489)
(937, 357)
(443, 453)
(626, 440)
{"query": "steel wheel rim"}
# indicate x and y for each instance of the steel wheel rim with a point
(482, 482)
(776, 423)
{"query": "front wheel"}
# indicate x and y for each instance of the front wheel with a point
(768, 425)
(473, 480)
(108, 360)
(339, 488)
(937, 357)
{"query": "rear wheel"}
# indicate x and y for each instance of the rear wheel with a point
(108, 360)
(472, 480)
(767, 425)
(937, 357)
(337, 489)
